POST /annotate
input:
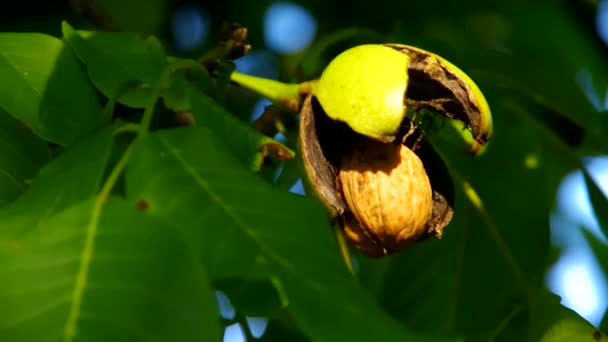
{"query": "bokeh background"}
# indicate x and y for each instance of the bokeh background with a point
(281, 33)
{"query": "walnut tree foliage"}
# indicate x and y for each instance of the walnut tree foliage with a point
(118, 222)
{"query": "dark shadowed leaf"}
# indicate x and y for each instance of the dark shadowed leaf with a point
(241, 226)
(69, 179)
(136, 15)
(251, 297)
(21, 155)
(599, 201)
(185, 82)
(249, 146)
(279, 330)
(114, 59)
(600, 250)
(44, 86)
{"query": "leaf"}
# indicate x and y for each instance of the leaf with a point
(242, 227)
(564, 42)
(69, 179)
(552, 322)
(293, 169)
(21, 155)
(599, 202)
(552, 58)
(572, 329)
(600, 250)
(278, 331)
(117, 58)
(247, 144)
(252, 298)
(44, 86)
(126, 277)
(475, 280)
(184, 83)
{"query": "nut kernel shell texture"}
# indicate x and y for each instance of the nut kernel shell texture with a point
(389, 194)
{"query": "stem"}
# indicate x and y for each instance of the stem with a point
(149, 111)
(287, 94)
(142, 129)
(69, 332)
(344, 249)
(504, 323)
(127, 128)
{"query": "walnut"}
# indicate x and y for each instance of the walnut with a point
(384, 195)
(389, 195)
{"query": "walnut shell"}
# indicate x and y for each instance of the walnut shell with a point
(389, 194)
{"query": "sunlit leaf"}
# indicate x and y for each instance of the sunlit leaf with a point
(238, 225)
(44, 86)
(122, 277)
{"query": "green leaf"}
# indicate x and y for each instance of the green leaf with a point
(117, 58)
(186, 93)
(278, 331)
(243, 227)
(125, 277)
(599, 202)
(44, 86)
(292, 172)
(600, 250)
(253, 298)
(69, 179)
(247, 144)
(572, 329)
(184, 83)
(21, 155)
(552, 322)
(566, 43)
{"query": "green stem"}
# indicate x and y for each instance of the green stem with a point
(504, 323)
(344, 249)
(70, 327)
(288, 94)
(149, 111)
(142, 129)
(130, 127)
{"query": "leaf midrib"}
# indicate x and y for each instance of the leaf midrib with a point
(247, 229)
